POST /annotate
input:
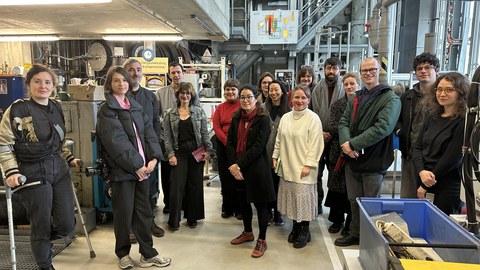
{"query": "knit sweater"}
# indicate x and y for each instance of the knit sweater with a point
(299, 143)
(222, 118)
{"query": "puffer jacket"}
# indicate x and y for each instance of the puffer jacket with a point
(117, 138)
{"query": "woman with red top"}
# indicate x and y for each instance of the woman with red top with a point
(222, 118)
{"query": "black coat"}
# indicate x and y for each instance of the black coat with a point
(404, 125)
(254, 163)
(118, 141)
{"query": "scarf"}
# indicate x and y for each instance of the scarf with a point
(243, 131)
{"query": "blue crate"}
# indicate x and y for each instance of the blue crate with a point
(424, 220)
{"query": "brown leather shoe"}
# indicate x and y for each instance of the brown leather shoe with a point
(259, 249)
(242, 238)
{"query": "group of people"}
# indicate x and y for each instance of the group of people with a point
(272, 147)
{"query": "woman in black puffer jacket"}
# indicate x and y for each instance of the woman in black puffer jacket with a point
(131, 150)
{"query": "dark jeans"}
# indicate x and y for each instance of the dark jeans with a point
(47, 202)
(186, 186)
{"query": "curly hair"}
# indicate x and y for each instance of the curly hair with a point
(426, 58)
(461, 85)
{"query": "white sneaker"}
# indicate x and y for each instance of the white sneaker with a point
(155, 261)
(126, 262)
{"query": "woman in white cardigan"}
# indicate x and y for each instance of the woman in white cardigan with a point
(298, 148)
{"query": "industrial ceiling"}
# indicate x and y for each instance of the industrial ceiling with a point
(82, 21)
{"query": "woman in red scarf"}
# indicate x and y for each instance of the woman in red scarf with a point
(246, 151)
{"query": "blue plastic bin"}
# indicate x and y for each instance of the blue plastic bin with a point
(424, 220)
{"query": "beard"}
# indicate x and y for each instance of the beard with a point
(331, 79)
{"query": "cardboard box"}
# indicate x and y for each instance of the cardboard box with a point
(424, 220)
(85, 92)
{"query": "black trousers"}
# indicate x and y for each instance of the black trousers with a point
(339, 206)
(230, 200)
(321, 166)
(165, 171)
(131, 207)
(276, 182)
(154, 189)
(186, 186)
(50, 209)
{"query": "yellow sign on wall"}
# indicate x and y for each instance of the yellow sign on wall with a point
(159, 65)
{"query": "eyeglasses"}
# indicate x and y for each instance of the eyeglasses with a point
(185, 93)
(447, 90)
(426, 68)
(370, 70)
(248, 98)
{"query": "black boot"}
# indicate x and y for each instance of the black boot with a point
(294, 233)
(303, 237)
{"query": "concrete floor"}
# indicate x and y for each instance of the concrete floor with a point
(208, 246)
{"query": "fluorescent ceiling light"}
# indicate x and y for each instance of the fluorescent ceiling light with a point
(142, 37)
(49, 2)
(29, 38)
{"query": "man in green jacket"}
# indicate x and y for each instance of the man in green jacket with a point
(366, 138)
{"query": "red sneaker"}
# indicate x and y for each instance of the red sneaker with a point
(242, 238)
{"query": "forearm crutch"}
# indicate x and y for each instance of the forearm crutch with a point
(79, 209)
(11, 232)
(77, 204)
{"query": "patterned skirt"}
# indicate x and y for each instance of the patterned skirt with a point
(297, 201)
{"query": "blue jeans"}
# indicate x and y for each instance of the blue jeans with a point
(361, 184)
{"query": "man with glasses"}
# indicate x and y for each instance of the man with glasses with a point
(366, 138)
(150, 105)
(426, 66)
(166, 97)
(325, 93)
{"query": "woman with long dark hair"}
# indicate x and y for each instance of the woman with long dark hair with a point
(247, 155)
(437, 155)
(277, 106)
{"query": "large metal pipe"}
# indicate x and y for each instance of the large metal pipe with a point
(385, 43)
(430, 43)
(374, 26)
